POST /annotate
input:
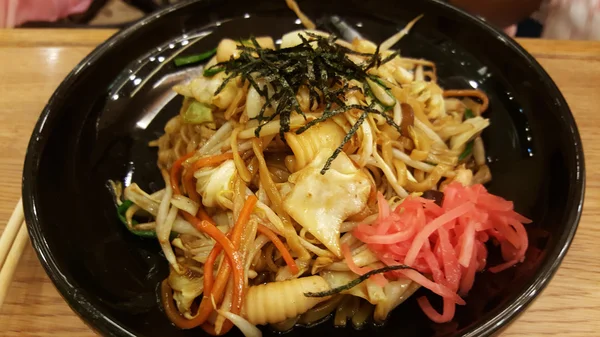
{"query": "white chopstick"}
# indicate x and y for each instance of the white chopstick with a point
(12, 243)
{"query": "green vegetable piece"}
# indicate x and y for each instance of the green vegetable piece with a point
(469, 113)
(198, 113)
(356, 281)
(191, 59)
(212, 71)
(468, 150)
(124, 207)
(121, 214)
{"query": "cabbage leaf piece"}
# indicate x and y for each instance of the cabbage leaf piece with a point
(321, 202)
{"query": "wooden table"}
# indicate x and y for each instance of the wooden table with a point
(32, 64)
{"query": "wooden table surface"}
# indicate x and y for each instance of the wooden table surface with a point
(33, 63)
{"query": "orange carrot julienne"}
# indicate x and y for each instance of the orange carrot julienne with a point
(227, 325)
(188, 178)
(208, 267)
(236, 240)
(238, 228)
(285, 253)
(211, 161)
(204, 223)
(237, 232)
(166, 295)
(188, 184)
(233, 259)
(210, 329)
(202, 215)
(216, 289)
(217, 293)
(212, 231)
(176, 171)
(470, 93)
(229, 248)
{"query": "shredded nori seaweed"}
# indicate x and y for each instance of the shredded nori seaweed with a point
(319, 64)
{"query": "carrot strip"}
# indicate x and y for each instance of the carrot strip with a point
(238, 231)
(188, 177)
(470, 93)
(236, 238)
(240, 224)
(176, 171)
(233, 259)
(213, 232)
(212, 161)
(227, 325)
(188, 184)
(202, 215)
(217, 289)
(209, 267)
(287, 256)
(206, 224)
(166, 296)
(210, 329)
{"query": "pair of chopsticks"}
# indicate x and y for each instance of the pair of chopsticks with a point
(12, 243)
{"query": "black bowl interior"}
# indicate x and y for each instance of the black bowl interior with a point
(96, 127)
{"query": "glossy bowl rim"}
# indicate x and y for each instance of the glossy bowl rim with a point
(105, 325)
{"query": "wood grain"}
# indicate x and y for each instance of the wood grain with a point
(570, 306)
(57, 38)
(556, 49)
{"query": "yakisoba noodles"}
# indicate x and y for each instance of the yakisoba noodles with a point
(320, 177)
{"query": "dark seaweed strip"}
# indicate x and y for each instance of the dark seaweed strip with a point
(318, 63)
(327, 114)
(347, 138)
(356, 281)
(388, 120)
(390, 57)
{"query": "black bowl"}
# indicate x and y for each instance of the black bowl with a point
(97, 125)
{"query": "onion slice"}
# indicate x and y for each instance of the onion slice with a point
(247, 328)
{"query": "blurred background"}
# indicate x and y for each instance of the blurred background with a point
(120, 13)
(555, 19)
(103, 13)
